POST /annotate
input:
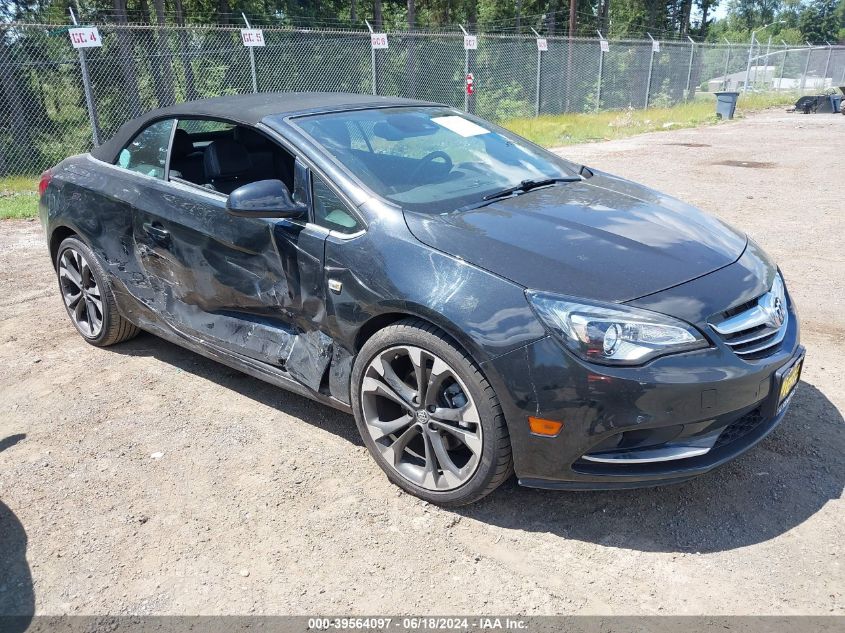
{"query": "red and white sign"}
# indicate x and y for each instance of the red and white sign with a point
(542, 44)
(252, 37)
(85, 37)
(378, 40)
(655, 46)
(605, 46)
(470, 84)
(470, 42)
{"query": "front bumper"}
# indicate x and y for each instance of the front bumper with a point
(709, 398)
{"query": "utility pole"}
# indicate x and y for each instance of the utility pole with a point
(573, 17)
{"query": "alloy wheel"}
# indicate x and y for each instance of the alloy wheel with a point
(81, 293)
(421, 417)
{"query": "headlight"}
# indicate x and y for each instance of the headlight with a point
(613, 334)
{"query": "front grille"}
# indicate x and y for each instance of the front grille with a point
(740, 428)
(756, 328)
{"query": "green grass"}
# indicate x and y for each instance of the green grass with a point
(568, 129)
(18, 197)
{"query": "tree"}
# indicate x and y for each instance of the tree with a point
(705, 7)
(378, 18)
(190, 86)
(818, 21)
(127, 61)
(224, 11)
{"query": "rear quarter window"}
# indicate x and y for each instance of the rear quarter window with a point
(147, 152)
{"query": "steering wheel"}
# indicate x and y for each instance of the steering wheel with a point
(429, 159)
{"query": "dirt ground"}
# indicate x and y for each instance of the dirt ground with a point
(145, 479)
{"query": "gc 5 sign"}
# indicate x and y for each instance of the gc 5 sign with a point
(252, 37)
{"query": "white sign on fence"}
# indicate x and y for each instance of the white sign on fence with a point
(605, 46)
(470, 42)
(378, 40)
(542, 44)
(252, 37)
(85, 37)
(655, 46)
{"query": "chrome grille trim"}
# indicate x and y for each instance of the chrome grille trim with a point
(743, 321)
(761, 328)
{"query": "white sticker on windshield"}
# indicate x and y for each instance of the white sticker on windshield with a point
(460, 125)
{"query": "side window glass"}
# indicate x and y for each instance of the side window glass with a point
(329, 210)
(147, 153)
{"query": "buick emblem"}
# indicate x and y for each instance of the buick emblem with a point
(774, 309)
(779, 313)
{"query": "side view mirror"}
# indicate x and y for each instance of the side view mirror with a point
(264, 199)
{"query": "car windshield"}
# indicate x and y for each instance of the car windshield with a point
(430, 159)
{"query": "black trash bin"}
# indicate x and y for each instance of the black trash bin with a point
(726, 104)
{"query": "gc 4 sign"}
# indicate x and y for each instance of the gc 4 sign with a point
(605, 46)
(655, 46)
(85, 37)
(252, 37)
(542, 44)
(470, 42)
(378, 40)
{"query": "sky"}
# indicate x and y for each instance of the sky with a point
(721, 10)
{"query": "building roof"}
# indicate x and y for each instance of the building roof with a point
(247, 109)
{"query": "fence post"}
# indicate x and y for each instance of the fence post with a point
(827, 63)
(766, 71)
(373, 60)
(748, 65)
(727, 65)
(251, 57)
(783, 64)
(689, 70)
(539, 62)
(806, 66)
(650, 69)
(466, 70)
(86, 86)
(601, 71)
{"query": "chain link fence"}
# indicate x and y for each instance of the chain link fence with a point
(56, 100)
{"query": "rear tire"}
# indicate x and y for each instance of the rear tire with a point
(88, 297)
(446, 443)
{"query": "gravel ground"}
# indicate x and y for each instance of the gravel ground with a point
(145, 479)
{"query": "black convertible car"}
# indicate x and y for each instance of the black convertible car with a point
(479, 304)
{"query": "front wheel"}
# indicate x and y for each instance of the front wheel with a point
(428, 416)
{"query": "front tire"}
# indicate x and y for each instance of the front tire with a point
(428, 416)
(88, 296)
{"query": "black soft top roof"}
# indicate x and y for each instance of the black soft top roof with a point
(248, 109)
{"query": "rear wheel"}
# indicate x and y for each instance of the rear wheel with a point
(88, 297)
(428, 416)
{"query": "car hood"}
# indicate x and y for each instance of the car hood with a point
(605, 238)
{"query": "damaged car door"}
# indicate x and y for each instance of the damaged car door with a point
(248, 286)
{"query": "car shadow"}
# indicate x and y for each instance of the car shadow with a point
(17, 596)
(764, 493)
(771, 489)
(314, 413)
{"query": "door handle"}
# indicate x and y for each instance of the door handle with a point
(159, 234)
